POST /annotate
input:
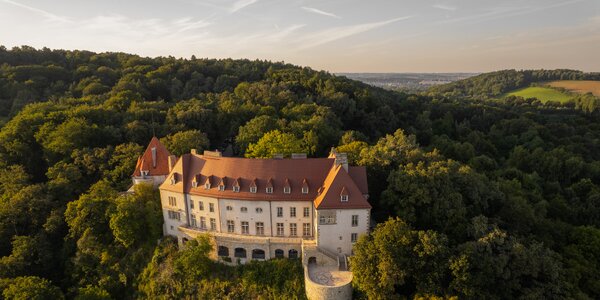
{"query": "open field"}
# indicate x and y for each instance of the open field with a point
(542, 93)
(578, 86)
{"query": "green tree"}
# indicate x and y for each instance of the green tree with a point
(29, 287)
(276, 142)
(182, 142)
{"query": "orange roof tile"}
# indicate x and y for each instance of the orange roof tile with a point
(337, 183)
(155, 160)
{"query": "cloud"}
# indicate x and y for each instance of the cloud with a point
(337, 33)
(241, 4)
(444, 7)
(320, 12)
(48, 15)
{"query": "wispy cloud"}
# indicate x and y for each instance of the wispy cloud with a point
(444, 7)
(48, 15)
(241, 4)
(337, 33)
(320, 12)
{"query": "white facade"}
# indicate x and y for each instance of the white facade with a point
(336, 236)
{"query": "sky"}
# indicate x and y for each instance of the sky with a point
(331, 35)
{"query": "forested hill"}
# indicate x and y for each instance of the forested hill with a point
(494, 199)
(493, 84)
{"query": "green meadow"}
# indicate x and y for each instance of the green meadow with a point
(543, 94)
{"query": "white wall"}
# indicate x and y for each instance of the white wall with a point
(251, 216)
(171, 225)
(206, 212)
(286, 219)
(338, 235)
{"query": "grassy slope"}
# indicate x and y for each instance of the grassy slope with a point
(542, 93)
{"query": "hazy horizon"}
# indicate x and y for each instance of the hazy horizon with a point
(468, 36)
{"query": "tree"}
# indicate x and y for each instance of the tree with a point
(396, 260)
(276, 142)
(183, 141)
(29, 287)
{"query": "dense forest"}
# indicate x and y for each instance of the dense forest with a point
(474, 198)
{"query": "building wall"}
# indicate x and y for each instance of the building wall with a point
(206, 213)
(251, 216)
(287, 219)
(337, 237)
(171, 224)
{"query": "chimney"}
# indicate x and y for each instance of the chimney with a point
(172, 160)
(298, 155)
(340, 158)
(193, 151)
(215, 153)
(153, 157)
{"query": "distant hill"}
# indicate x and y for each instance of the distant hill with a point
(412, 82)
(501, 84)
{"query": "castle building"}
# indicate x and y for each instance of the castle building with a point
(265, 208)
(153, 166)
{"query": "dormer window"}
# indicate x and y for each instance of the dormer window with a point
(269, 190)
(207, 186)
(253, 189)
(305, 190)
(304, 186)
(173, 180)
(287, 190)
(236, 189)
(144, 173)
(344, 198)
(221, 187)
(195, 184)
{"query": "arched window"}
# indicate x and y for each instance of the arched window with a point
(258, 254)
(293, 253)
(223, 251)
(278, 253)
(240, 252)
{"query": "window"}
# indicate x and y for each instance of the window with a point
(258, 210)
(354, 220)
(230, 226)
(221, 187)
(306, 229)
(173, 215)
(200, 205)
(253, 189)
(353, 237)
(236, 189)
(203, 222)
(307, 212)
(344, 198)
(292, 212)
(260, 228)
(244, 209)
(327, 217)
(213, 224)
(280, 212)
(172, 201)
(191, 204)
(211, 207)
(193, 217)
(207, 186)
(293, 229)
(305, 190)
(194, 184)
(279, 229)
(229, 207)
(269, 190)
(245, 227)
(287, 190)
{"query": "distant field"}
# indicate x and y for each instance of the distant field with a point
(541, 93)
(578, 86)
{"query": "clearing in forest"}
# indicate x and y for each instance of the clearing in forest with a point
(543, 94)
(578, 86)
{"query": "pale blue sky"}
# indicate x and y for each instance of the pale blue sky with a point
(333, 35)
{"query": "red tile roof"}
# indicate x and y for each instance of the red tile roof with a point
(156, 164)
(316, 173)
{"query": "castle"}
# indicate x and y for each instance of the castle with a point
(258, 209)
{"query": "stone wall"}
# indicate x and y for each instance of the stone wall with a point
(315, 291)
